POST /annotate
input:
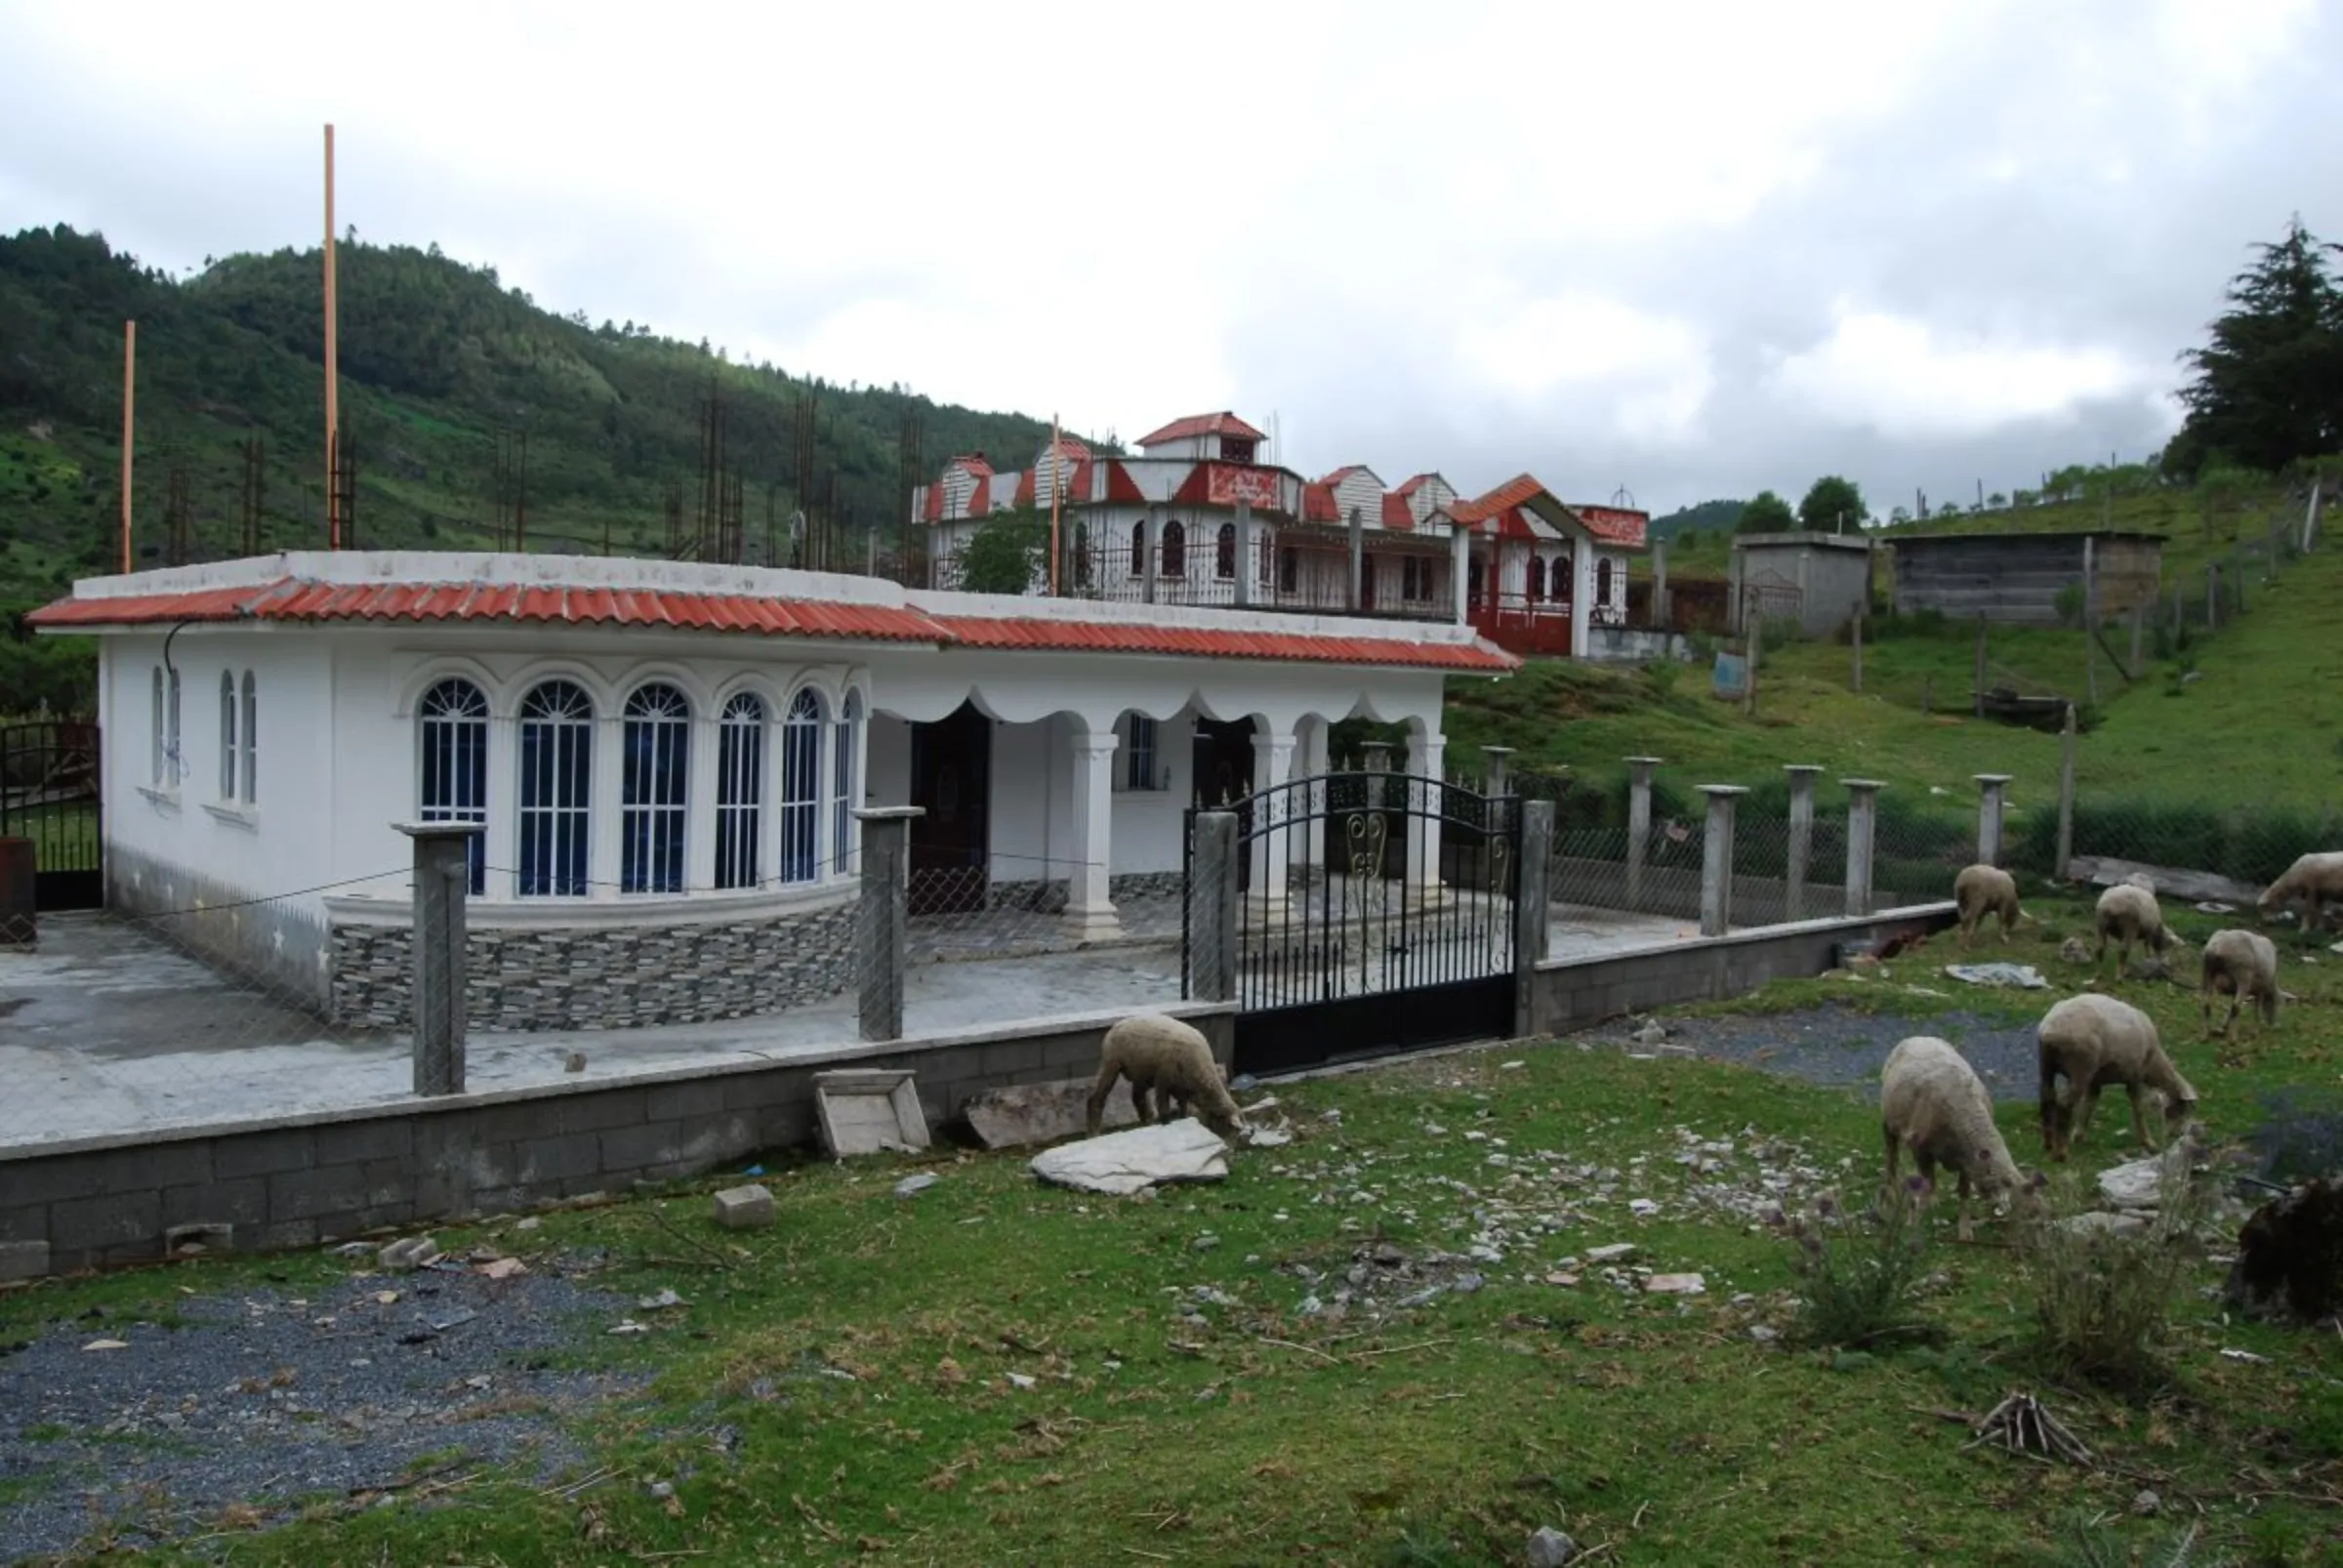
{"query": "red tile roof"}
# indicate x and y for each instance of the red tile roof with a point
(293, 599)
(1507, 496)
(1220, 423)
(1614, 525)
(1122, 636)
(290, 599)
(974, 462)
(1396, 515)
(1318, 502)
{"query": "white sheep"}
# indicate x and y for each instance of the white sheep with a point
(1171, 1060)
(1933, 1102)
(1981, 890)
(2243, 964)
(2313, 879)
(2086, 1043)
(2128, 913)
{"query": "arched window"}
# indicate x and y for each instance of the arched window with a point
(1537, 576)
(844, 748)
(556, 779)
(1138, 548)
(1224, 551)
(227, 736)
(1602, 581)
(653, 785)
(252, 739)
(800, 786)
(155, 713)
(739, 791)
(451, 739)
(1175, 548)
(1288, 570)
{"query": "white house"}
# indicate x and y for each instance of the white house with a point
(1542, 570)
(665, 757)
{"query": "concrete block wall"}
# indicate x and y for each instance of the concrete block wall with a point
(1578, 992)
(607, 977)
(304, 1180)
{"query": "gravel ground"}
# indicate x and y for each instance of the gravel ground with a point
(269, 1400)
(1833, 1045)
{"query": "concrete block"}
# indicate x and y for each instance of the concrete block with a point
(555, 1159)
(601, 1109)
(24, 1260)
(306, 1194)
(284, 1236)
(407, 1254)
(1002, 1057)
(749, 1208)
(513, 1124)
(390, 1137)
(204, 1237)
(91, 1225)
(244, 1201)
(675, 1101)
(631, 1148)
(22, 1222)
(866, 1111)
(292, 1149)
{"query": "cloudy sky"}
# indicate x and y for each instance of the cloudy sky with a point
(1692, 250)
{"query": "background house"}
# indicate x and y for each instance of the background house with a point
(2015, 579)
(1819, 580)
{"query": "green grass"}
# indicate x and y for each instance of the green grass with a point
(1656, 1428)
(2266, 705)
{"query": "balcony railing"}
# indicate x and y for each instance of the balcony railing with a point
(1289, 574)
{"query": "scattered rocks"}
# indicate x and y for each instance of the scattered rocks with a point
(2102, 1222)
(749, 1208)
(408, 1254)
(2145, 1503)
(1126, 1163)
(1675, 1285)
(911, 1186)
(1611, 1253)
(1549, 1547)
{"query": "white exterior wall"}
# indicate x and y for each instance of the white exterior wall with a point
(1362, 491)
(1434, 494)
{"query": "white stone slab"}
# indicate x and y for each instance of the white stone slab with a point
(1124, 1163)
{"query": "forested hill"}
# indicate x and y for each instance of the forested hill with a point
(439, 361)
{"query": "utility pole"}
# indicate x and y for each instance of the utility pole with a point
(333, 421)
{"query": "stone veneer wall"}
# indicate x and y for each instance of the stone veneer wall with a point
(607, 977)
(1049, 897)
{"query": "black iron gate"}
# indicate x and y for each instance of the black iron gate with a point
(1376, 915)
(49, 794)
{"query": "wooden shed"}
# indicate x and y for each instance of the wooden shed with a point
(2015, 579)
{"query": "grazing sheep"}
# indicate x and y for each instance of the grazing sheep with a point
(2091, 1042)
(2244, 965)
(2129, 913)
(1933, 1102)
(1171, 1058)
(1982, 890)
(2313, 879)
(2142, 881)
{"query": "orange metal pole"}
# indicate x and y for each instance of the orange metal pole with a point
(333, 419)
(1056, 488)
(130, 393)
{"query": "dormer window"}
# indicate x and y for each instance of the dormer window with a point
(1234, 450)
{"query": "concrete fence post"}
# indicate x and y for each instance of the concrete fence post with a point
(1640, 824)
(1214, 909)
(1493, 774)
(1862, 825)
(1988, 816)
(1801, 836)
(1247, 562)
(2066, 795)
(442, 882)
(882, 920)
(1716, 859)
(1533, 910)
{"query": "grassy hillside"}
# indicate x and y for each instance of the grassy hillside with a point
(437, 361)
(2250, 715)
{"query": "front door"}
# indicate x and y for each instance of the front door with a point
(1223, 761)
(951, 769)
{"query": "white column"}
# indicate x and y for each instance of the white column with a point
(1090, 910)
(699, 803)
(1459, 566)
(768, 820)
(1272, 765)
(1427, 763)
(502, 851)
(1582, 594)
(604, 791)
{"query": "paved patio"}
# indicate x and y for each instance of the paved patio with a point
(106, 1030)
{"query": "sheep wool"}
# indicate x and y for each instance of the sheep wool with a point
(2129, 913)
(1982, 890)
(2086, 1043)
(2316, 879)
(1932, 1103)
(2243, 965)
(1172, 1061)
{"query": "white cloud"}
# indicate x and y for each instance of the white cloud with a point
(1481, 237)
(1912, 381)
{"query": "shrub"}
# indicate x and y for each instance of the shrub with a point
(2103, 1303)
(1860, 1275)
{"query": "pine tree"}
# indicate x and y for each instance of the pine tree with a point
(2267, 386)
